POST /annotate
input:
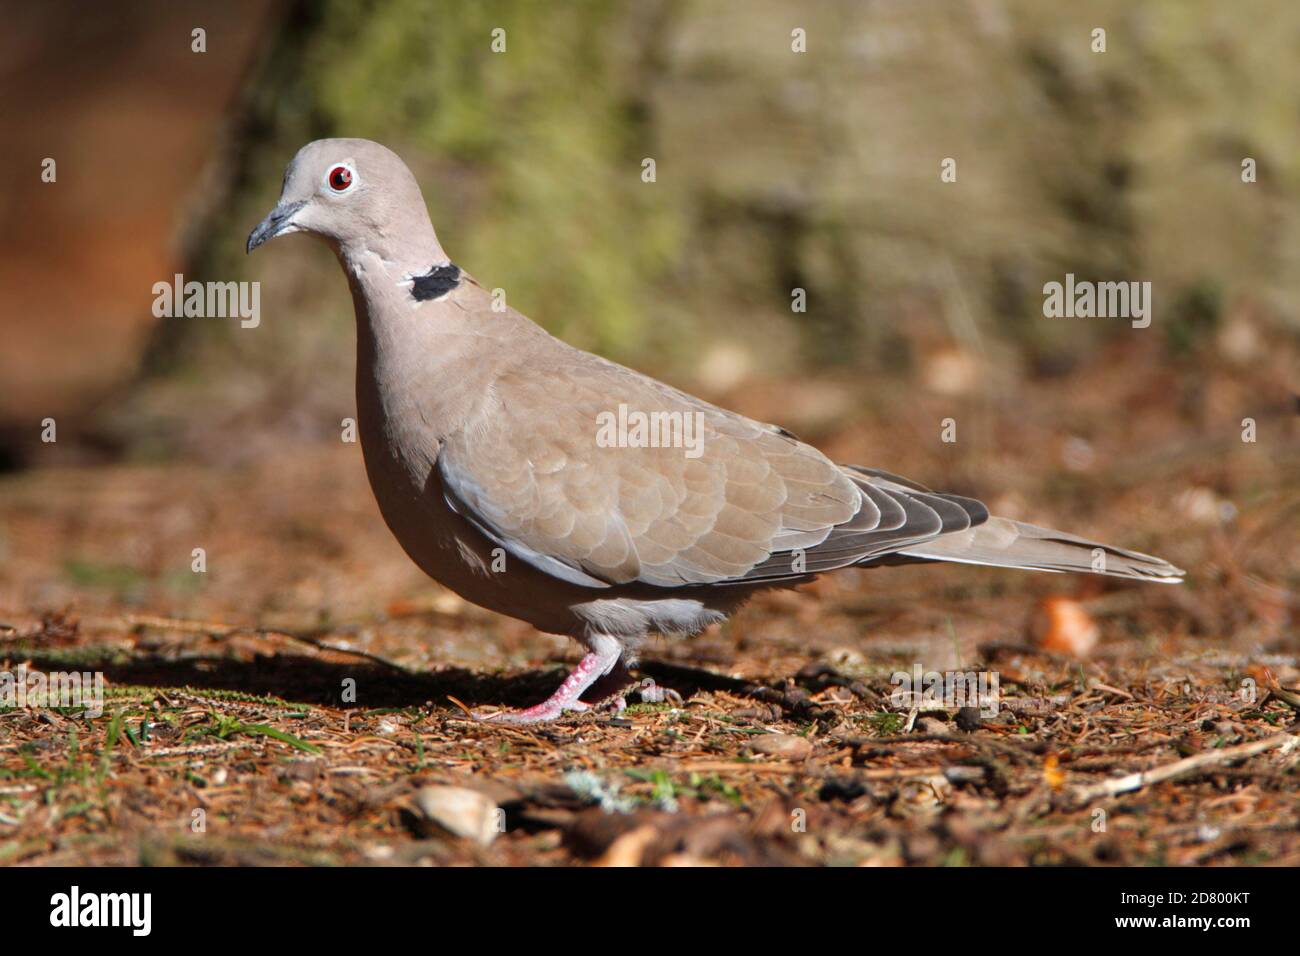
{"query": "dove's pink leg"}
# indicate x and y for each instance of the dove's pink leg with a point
(590, 669)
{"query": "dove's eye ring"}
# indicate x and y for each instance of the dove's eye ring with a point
(340, 179)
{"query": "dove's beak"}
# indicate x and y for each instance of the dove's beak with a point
(278, 223)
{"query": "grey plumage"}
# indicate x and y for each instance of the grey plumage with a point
(479, 432)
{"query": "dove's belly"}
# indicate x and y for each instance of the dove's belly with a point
(447, 548)
(457, 555)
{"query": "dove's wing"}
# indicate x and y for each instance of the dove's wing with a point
(533, 472)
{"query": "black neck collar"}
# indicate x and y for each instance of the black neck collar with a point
(435, 283)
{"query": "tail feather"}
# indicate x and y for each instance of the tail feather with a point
(1002, 542)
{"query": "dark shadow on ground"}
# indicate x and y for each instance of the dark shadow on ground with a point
(299, 678)
(309, 680)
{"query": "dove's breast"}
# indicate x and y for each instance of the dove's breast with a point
(410, 395)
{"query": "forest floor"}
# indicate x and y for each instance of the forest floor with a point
(302, 700)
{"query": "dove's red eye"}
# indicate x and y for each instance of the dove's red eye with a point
(340, 178)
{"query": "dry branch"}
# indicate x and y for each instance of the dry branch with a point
(1182, 768)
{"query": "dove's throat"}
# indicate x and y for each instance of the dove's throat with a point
(425, 368)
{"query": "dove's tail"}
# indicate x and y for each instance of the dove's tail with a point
(1002, 542)
(968, 534)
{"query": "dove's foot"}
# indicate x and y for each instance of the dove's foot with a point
(647, 690)
(652, 693)
(590, 669)
(548, 709)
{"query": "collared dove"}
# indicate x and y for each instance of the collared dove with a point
(487, 444)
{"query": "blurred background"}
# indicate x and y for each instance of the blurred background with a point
(775, 170)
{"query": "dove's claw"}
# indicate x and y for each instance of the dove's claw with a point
(616, 704)
(649, 693)
(547, 710)
(652, 693)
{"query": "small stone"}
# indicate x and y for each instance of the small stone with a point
(1062, 625)
(785, 746)
(843, 788)
(930, 725)
(460, 811)
(950, 371)
(921, 797)
(629, 849)
(301, 770)
(1203, 506)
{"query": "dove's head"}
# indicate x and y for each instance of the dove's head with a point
(351, 193)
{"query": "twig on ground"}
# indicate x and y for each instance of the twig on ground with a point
(1182, 768)
(215, 629)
